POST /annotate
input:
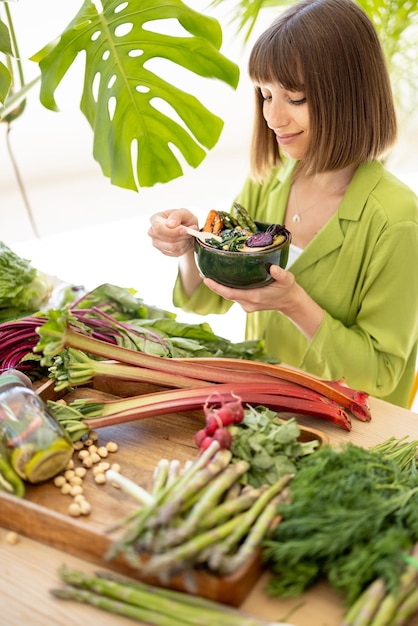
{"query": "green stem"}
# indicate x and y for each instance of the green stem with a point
(248, 519)
(160, 476)
(179, 497)
(366, 605)
(15, 46)
(253, 540)
(206, 502)
(175, 558)
(389, 607)
(162, 604)
(21, 185)
(406, 609)
(139, 519)
(117, 607)
(230, 507)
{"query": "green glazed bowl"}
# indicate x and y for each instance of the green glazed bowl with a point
(242, 270)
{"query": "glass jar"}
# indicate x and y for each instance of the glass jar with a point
(36, 445)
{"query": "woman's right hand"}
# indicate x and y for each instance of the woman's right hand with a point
(167, 233)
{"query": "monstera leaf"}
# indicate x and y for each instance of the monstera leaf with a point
(132, 137)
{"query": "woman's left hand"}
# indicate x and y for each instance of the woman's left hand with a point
(283, 294)
(279, 294)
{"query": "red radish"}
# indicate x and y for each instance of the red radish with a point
(224, 437)
(200, 436)
(228, 413)
(213, 422)
(217, 421)
(205, 443)
(231, 413)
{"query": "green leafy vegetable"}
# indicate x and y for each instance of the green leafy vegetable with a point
(351, 514)
(23, 288)
(270, 445)
(121, 303)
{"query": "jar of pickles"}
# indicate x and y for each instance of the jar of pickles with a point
(34, 442)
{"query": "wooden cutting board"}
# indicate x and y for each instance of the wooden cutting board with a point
(43, 513)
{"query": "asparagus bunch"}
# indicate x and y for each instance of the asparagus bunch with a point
(199, 516)
(147, 604)
(377, 606)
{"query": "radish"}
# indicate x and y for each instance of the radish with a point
(224, 437)
(200, 436)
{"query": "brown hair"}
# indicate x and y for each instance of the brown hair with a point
(329, 50)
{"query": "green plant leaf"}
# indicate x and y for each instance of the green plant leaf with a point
(5, 43)
(121, 93)
(5, 82)
(6, 48)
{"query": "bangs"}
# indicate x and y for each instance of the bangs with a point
(274, 59)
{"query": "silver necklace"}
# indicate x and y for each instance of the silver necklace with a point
(296, 218)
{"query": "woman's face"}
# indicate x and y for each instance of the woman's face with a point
(287, 114)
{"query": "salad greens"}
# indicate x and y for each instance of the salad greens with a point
(269, 444)
(23, 288)
(119, 302)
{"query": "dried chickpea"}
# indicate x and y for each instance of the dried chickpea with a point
(88, 442)
(66, 489)
(74, 509)
(85, 507)
(100, 479)
(95, 457)
(12, 538)
(78, 445)
(83, 454)
(79, 497)
(76, 490)
(68, 474)
(70, 464)
(59, 480)
(112, 446)
(92, 448)
(93, 435)
(115, 467)
(75, 480)
(87, 462)
(80, 471)
(102, 451)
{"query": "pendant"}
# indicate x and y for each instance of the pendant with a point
(296, 218)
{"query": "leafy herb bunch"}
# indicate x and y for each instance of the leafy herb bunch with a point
(352, 513)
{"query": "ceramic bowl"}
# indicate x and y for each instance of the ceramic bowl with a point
(242, 270)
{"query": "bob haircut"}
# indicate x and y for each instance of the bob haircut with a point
(330, 51)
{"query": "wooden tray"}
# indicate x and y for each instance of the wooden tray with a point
(43, 513)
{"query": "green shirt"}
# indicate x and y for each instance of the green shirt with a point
(361, 268)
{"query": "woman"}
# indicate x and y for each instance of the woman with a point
(347, 304)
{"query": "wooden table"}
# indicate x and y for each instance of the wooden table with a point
(28, 570)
